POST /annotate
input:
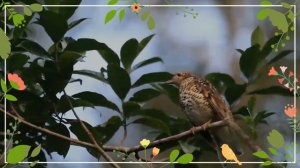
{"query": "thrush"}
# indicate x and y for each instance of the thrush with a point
(202, 104)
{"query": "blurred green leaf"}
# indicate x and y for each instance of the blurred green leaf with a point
(280, 56)
(260, 117)
(144, 43)
(119, 80)
(234, 92)
(174, 155)
(251, 104)
(220, 80)
(261, 154)
(54, 24)
(51, 144)
(151, 23)
(129, 52)
(65, 12)
(278, 90)
(121, 14)
(63, 105)
(267, 163)
(10, 97)
(66, 61)
(32, 164)
(153, 123)
(3, 86)
(27, 11)
(277, 18)
(145, 95)
(185, 158)
(240, 51)
(91, 74)
(17, 154)
(242, 111)
(109, 16)
(265, 3)
(273, 151)
(249, 61)
(112, 2)
(36, 7)
(152, 78)
(36, 151)
(286, 5)
(33, 48)
(145, 15)
(146, 62)
(96, 99)
(109, 128)
(86, 44)
(130, 108)
(257, 37)
(75, 23)
(16, 61)
(275, 139)
(5, 45)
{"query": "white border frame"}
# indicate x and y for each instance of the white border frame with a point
(295, 105)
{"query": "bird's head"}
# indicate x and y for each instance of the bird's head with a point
(224, 146)
(179, 77)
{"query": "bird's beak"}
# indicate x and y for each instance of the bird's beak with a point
(170, 82)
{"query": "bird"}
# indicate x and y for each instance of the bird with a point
(202, 104)
(229, 154)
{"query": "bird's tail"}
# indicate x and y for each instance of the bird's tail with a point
(238, 162)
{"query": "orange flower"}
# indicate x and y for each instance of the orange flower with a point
(136, 7)
(155, 151)
(16, 82)
(290, 111)
(272, 72)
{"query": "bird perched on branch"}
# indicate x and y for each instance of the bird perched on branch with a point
(202, 104)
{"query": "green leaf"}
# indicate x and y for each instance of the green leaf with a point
(146, 62)
(33, 47)
(55, 144)
(16, 61)
(145, 95)
(171, 91)
(278, 90)
(265, 3)
(17, 154)
(119, 80)
(145, 15)
(91, 74)
(261, 116)
(277, 18)
(249, 61)
(152, 78)
(36, 7)
(3, 86)
(5, 45)
(251, 104)
(267, 163)
(220, 80)
(10, 97)
(65, 12)
(144, 43)
(286, 5)
(275, 139)
(75, 23)
(121, 14)
(151, 23)
(257, 37)
(14, 85)
(96, 99)
(85, 44)
(129, 52)
(273, 151)
(153, 123)
(112, 2)
(261, 154)
(108, 129)
(234, 92)
(32, 164)
(36, 151)
(174, 155)
(54, 24)
(185, 159)
(109, 16)
(27, 11)
(240, 51)
(280, 56)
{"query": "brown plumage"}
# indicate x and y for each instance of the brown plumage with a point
(201, 103)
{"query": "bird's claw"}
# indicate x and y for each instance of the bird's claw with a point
(193, 129)
(206, 125)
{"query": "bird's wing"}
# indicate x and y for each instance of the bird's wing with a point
(217, 103)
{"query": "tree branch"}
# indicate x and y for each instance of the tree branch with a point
(90, 135)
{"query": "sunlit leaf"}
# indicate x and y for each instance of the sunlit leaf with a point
(185, 158)
(151, 23)
(261, 154)
(109, 16)
(36, 151)
(27, 11)
(3, 86)
(112, 2)
(276, 139)
(10, 97)
(266, 163)
(36, 7)
(174, 155)
(5, 45)
(121, 14)
(18, 154)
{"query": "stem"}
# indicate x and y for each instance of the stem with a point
(5, 165)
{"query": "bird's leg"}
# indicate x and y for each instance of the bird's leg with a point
(206, 125)
(193, 129)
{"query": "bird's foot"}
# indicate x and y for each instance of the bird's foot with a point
(193, 129)
(206, 125)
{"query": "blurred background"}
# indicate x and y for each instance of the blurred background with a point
(199, 45)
